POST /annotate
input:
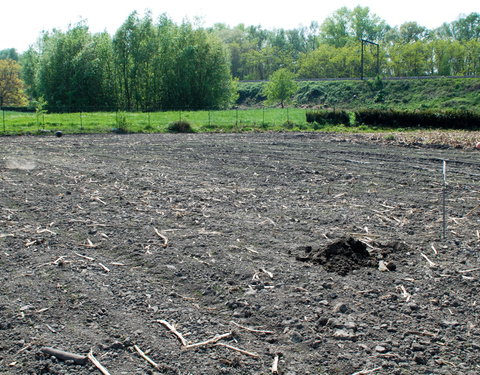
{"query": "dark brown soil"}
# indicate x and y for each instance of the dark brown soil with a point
(103, 236)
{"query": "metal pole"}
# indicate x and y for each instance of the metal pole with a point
(361, 65)
(3, 116)
(378, 60)
(444, 200)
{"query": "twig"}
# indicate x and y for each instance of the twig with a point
(275, 364)
(84, 257)
(145, 357)
(434, 250)
(65, 356)
(213, 340)
(251, 329)
(97, 364)
(237, 349)
(470, 270)
(105, 268)
(430, 263)
(365, 372)
(164, 238)
(174, 331)
(99, 200)
(405, 294)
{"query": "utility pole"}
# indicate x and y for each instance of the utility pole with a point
(364, 41)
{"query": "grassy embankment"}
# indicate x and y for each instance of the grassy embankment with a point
(432, 94)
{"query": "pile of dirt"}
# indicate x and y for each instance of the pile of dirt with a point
(340, 256)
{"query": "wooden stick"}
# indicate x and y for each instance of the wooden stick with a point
(174, 331)
(144, 356)
(275, 364)
(470, 270)
(164, 238)
(65, 356)
(105, 268)
(84, 257)
(430, 263)
(97, 364)
(405, 294)
(213, 340)
(237, 349)
(365, 372)
(252, 329)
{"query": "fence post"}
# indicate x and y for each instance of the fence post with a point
(81, 121)
(3, 117)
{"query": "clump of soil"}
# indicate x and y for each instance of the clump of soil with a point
(340, 256)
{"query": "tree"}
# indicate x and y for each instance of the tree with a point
(281, 87)
(11, 86)
(9, 53)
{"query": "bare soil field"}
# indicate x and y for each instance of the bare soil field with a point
(238, 254)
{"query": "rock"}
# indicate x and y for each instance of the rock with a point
(420, 359)
(380, 349)
(340, 308)
(449, 323)
(343, 334)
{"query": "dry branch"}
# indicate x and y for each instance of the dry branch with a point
(174, 331)
(105, 268)
(470, 270)
(252, 329)
(430, 263)
(145, 357)
(84, 257)
(65, 356)
(213, 340)
(365, 372)
(405, 294)
(164, 238)
(97, 364)
(237, 349)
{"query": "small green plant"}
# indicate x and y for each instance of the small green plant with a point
(122, 123)
(180, 127)
(390, 137)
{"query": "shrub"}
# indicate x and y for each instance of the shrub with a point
(328, 117)
(180, 127)
(424, 119)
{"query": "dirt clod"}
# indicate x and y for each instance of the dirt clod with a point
(340, 256)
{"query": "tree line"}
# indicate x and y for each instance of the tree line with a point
(145, 66)
(332, 49)
(157, 64)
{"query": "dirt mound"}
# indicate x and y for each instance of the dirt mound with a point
(340, 256)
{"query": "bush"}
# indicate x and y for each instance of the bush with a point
(423, 119)
(180, 127)
(328, 117)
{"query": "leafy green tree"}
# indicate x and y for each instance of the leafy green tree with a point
(9, 53)
(11, 86)
(281, 87)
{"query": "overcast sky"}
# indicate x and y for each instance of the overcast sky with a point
(22, 21)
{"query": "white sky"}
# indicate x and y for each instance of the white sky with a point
(22, 21)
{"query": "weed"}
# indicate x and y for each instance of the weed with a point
(180, 127)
